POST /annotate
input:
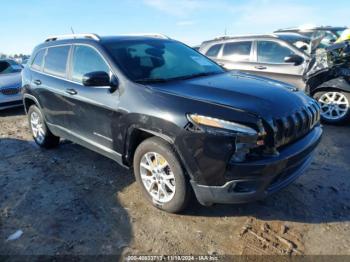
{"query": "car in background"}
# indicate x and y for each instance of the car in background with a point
(280, 56)
(10, 84)
(332, 33)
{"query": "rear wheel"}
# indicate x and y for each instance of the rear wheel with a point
(160, 175)
(335, 106)
(41, 134)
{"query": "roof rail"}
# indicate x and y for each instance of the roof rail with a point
(225, 37)
(156, 35)
(72, 36)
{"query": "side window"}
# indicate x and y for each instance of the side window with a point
(86, 60)
(56, 60)
(238, 51)
(272, 52)
(38, 60)
(214, 50)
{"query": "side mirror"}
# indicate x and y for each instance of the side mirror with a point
(294, 59)
(98, 78)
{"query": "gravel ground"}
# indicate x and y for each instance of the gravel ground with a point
(71, 200)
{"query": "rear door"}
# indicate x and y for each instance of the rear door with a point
(94, 109)
(49, 72)
(237, 55)
(270, 63)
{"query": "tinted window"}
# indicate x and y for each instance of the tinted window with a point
(214, 50)
(56, 60)
(38, 60)
(159, 60)
(86, 60)
(272, 52)
(239, 51)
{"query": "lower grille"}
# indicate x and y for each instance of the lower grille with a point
(10, 91)
(296, 125)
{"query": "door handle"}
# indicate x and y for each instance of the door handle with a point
(260, 67)
(37, 82)
(71, 91)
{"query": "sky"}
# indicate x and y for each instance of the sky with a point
(26, 23)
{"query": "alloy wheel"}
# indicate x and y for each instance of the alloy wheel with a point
(37, 127)
(334, 105)
(157, 177)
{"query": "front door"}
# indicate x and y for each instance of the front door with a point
(270, 63)
(94, 109)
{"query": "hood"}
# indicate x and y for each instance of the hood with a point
(10, 80)
(258, 95)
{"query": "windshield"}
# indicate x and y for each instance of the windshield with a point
(9, 67)
(159, 60)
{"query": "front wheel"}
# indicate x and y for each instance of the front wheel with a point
(160, 175)
(41, 134)
(335, 106)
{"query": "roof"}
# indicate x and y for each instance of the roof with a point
(94, 38)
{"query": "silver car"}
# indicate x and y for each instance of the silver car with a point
(10, 84)
(282, 56)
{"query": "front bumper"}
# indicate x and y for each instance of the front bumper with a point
(251, 181)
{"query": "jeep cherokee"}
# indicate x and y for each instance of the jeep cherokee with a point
(180, 120)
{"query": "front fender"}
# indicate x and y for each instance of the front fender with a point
(337, 83)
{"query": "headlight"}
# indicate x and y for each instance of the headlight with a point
(219, 123)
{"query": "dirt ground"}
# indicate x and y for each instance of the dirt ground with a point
(71, 200)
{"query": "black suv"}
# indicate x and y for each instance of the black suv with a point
(181, 121)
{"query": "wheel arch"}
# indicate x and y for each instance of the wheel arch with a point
(334, 84)
(135, 136)
(28, 101)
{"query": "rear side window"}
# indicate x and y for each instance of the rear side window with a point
(38, 60)
(86, 60)
(238, 51)
(214, 50)
(56, 60)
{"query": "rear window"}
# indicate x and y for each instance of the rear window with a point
(238, 50)
(38, 60)
(9, 67)
(56, 60)
(214, 50)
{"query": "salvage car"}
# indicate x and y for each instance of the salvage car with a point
(10, 84)
(327, 79)
(183, 123)
(332, 33)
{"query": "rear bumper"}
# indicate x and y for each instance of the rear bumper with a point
(251, 181)
(8, 101)
(11, 104)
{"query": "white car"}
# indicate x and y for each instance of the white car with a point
(10, 84)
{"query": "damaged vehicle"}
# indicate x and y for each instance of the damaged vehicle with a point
(184, 124)
(327, 79)
(10, 84)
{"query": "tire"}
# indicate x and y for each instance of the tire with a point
(171, 195)
(41, 134)
(335, 106)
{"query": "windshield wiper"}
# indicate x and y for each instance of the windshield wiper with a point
(163, 80)
(151, 80)
(195, 75)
